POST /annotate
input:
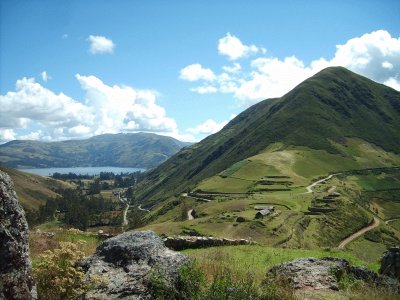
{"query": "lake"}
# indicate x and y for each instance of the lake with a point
(81, 170)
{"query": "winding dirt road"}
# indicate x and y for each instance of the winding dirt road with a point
(196, 198)
(372, 225)
(309, 188)
(143, 209)
(391, 220)
(125, 220)
(189, 214)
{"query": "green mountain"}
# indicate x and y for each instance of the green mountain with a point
(336, 120)
(140, 150)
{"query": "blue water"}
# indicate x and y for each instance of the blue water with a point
(81, 170)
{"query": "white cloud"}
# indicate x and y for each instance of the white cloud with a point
(33, 103)
(208, 127)
(196, 72)
(45, 76)
(232, 69)
(208, 89)
(393, 83)
(7, 135)
(34, 112)
(232, 47)
(100, 44)
(375, 55)
(387, 65)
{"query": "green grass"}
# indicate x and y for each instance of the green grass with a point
(367, 251)
(262, 258)
(395, 224)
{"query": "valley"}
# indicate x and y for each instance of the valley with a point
(283, 183)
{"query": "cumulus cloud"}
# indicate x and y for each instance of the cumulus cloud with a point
(235, 68)
(100, 44)
(39, 113)
(33, 103)
(208, 127)
(6, 135)
(233, 47)
(45, 76)
(196, 72)
(375, 55)
(207, 89)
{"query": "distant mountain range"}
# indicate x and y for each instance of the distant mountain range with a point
(140, 150)
(340, 114)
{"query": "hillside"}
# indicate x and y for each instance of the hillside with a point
(140, 150)
(33, 190)
(338, 113)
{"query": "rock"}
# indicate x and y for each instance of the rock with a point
(16, 280)
(325, 274)
(240, 219)
(311, 272)
(123, 265)
(390, 263)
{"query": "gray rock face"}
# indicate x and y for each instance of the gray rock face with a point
(390, 263)
(193, 242)
(16, 280)
(122, 265)
(325, 273)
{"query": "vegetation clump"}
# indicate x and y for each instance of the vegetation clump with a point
(58, 275)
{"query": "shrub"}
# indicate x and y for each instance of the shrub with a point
(57, 274)
(189, 284)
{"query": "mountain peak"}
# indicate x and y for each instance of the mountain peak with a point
(326, 109)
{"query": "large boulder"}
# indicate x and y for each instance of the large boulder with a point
(16, 280)
(123, 266)
(326, 273)
(390, 263)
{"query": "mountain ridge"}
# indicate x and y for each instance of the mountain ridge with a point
(141, 150)
(325, 109)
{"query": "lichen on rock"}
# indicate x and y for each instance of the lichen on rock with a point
(123, 265)
(16, 280)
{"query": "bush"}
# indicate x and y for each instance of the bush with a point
(57, 274)
(189, 284)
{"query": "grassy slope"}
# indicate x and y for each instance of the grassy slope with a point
(300, 164)
(141, 150)
(292, 226)
(32, 190)
(318, 114)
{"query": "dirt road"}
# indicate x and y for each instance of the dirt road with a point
(309, 188)
(189, 214)
(372, 225)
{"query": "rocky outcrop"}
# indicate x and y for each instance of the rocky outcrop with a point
(188, 242)
(390, 263)
(326, 273)
(16, 280)
(123, 265)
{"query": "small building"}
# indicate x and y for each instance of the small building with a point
(262, 213)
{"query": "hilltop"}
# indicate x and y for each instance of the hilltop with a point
(341, 115)
(140, 150)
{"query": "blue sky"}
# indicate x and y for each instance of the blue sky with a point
(73, 69)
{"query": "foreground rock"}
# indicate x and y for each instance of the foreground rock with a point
(123, 265)
(390, 263)
(16, 280)
(325, 274)
(192, 242)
